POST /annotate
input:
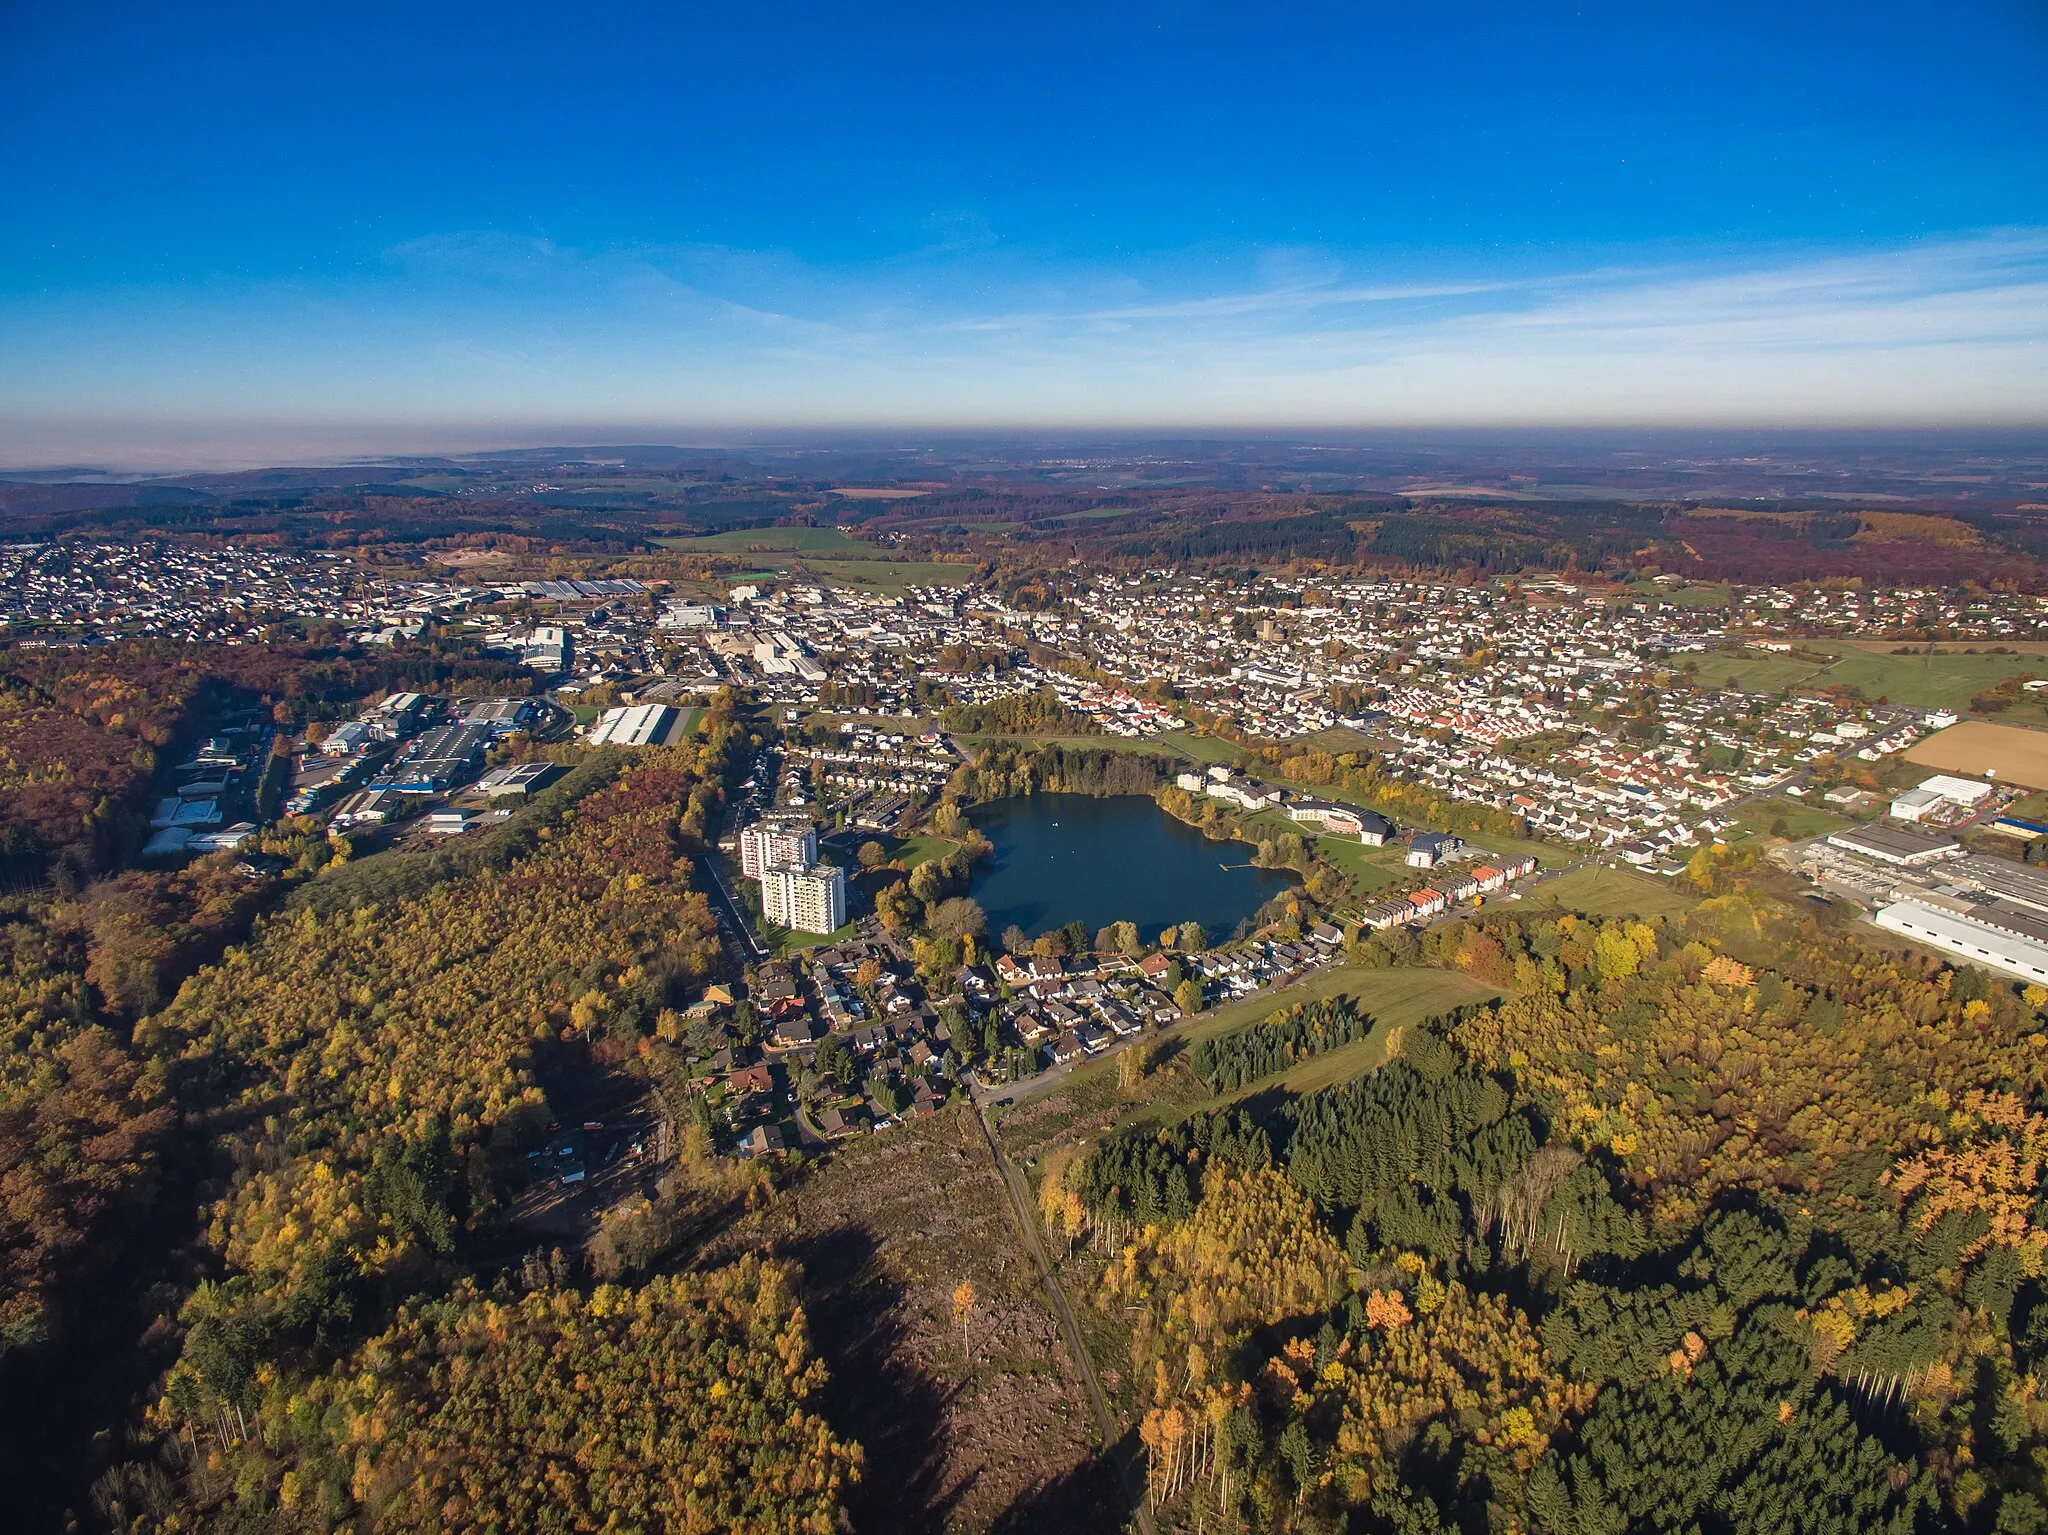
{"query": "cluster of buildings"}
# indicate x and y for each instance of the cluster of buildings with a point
(1064, 1009)
(780, 851)
(1481, 874)
(218, 779)
(1917, 874)
(870, 758)
(402, 754)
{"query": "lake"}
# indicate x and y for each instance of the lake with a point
(1063, 857)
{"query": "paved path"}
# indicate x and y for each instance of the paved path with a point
(1105, 1423)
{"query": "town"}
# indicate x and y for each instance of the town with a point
(1507, 732)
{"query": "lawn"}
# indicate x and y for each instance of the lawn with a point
(1801, 821)
(1542, 852)
(1367, 867)
(1602, 892)
(1201, 748)
(916, 850)
(783, 942)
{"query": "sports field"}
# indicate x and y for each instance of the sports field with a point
(1978, 749)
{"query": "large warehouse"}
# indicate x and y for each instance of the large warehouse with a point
(641, 725)
(2006, 947)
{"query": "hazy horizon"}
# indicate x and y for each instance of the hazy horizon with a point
(245, 236)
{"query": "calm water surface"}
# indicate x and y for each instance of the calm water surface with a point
(1060, 857)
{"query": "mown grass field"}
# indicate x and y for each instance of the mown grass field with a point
(1202, 748)
(827, 554)
(889, 577)
(1947, 680)
(1688, 596)
(1603, 892)
(1801, 821)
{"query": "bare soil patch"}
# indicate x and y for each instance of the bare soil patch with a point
(992, 1437)
(1978, 748)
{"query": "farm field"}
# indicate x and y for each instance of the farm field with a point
(887, 576)
(1602, 892)
(825, 553)
(769, 540)
(1978, 747)
(1689, 596)
(1948, 680)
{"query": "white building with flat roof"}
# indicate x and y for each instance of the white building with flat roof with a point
(778, 842)
(1970, 939)
(1963, 791)
(640, 725)
(1914, 804)
(810, 900)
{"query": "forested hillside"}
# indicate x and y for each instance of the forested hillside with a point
(349, 1093)
(1724, 1224)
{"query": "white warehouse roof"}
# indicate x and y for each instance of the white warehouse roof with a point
(641, 725)
(1978, 943)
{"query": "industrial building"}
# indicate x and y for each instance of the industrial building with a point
(501, 716)
(1967, 792)
(640, 725)
(1894, 845)
(2009, 942)
(445, 755)
(547, 649)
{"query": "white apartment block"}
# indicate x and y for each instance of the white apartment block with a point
(810, 900)
(778, 843)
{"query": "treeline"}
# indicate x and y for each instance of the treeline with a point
(1293, 1034)
(1038, 713)
(1729, 1223)
(1001, 770)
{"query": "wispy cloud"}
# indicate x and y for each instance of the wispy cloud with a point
(470, 328)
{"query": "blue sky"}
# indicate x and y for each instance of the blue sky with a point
(234, 232)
